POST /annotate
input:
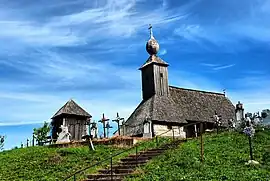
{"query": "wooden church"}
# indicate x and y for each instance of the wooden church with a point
(164, 107)
(72, 116)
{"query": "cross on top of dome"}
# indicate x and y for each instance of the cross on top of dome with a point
(152, 45)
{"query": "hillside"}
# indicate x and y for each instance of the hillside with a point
(225, 158)
(50, 164)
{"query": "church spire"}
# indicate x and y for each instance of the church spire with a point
(152, 45)
(154, 71)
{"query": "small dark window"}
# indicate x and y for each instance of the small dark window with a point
(161, 75)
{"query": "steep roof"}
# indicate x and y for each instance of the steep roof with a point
(158, 109)
(199, 105)
(72, 108)
(154, 59)
(181, 106)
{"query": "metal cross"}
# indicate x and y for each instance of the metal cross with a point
(151, 31)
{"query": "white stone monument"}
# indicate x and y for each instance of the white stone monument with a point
(147, 128)
(64, 136)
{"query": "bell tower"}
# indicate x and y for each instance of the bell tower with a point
(154, 71)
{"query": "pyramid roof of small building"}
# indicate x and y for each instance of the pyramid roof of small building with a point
(72, 108)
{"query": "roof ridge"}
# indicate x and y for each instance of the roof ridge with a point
(195, 90)
(64, 109)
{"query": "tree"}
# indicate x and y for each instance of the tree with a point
(40, 134)
(2, 140)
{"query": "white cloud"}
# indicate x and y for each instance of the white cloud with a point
(115, 19)
(209, 64)
(217, 66)
(223, 67)
(162, 52)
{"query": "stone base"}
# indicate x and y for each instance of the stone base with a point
(147, 135)
(252, 162)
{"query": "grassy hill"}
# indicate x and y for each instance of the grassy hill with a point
(51, 164)
(225, 158)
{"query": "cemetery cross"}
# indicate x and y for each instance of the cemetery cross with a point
(103, 121)
(117, 120)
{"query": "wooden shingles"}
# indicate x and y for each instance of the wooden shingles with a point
(72, 108)
(181, 106)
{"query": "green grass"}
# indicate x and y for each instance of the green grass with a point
(225, 158)
(51, 164)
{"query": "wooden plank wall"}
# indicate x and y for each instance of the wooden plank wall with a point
(76, 128)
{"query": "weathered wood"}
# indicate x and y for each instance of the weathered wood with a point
(155, 80)
(72, 116)
(202, 149)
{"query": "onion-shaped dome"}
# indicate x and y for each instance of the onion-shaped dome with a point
(152, 45)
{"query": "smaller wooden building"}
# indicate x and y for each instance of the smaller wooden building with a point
(72, 116)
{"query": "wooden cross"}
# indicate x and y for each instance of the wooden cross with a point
(118, 119)
(108, 126)
(103, 121)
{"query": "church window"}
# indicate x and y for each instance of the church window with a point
(161, 84)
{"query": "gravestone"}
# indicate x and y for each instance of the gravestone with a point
(147, 131)
(64, 135)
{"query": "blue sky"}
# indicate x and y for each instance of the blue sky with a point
(91, 51)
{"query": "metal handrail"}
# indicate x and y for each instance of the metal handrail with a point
(109, 158)
(96, 164)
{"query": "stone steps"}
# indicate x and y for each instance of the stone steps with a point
(126, 166)
(117, 170)
(106, 176)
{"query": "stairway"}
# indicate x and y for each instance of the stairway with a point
(128, 165)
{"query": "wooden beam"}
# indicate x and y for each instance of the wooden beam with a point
(202, 148)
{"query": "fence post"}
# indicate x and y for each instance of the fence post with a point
(250, 148)
(173, 133)
(33, 141)
(202, 149)
(136, 155)
(111, 168)
(27, 142)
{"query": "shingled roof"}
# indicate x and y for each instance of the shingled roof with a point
(158, 109)
(197, 105)
(72, 108)
(154, 59)
(181, 106)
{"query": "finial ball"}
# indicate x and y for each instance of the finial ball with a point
(152, 45)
